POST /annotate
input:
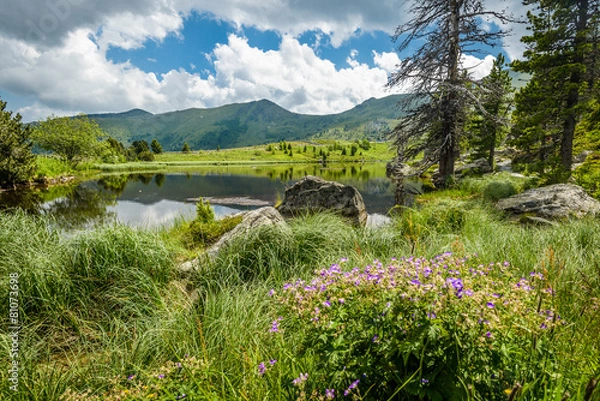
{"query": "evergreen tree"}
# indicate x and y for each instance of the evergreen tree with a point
(186, 148)
(140, 146)
(156, 147)
(444, 30)
(562, 56)
(490, 122)
(17, 162)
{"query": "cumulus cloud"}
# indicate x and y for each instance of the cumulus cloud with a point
(55, 51)
(78, 77)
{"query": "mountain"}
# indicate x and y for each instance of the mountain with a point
(245, 124)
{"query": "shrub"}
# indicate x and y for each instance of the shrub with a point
(204, 213)
(146, 156)
(588, 175)
(208, 232)
(496, 190)
(448, 328)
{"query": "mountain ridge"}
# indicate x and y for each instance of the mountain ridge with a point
(251, 123)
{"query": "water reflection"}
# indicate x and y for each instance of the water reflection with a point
(150, 199)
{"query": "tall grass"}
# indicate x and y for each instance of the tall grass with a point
(106, 312)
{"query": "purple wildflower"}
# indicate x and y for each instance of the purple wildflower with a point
(375, 338)
(351, 387)
(490, 305)
(329, 393)
(424, 380)
(488, 334)
(261, 369)
(271, 292)
(275, 325)
(341, 300)
(327, 303)
(161, 376)
(543, 326)
(273, 362)
(300, 379)
(130, 377)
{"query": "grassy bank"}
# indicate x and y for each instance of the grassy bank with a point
(275, 153)
(106, 316)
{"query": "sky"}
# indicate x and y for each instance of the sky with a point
(65, 57)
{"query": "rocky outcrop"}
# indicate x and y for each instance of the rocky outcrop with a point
(313, 194)
(252, 220)
(477, 167)
(551, 202)
(396, 170)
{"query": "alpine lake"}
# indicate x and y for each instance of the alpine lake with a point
(153, 199)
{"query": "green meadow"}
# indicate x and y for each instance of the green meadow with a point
(451, 301)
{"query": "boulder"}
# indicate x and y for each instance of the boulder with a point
(477, 167)
(582, 157)
(396, 170)
(250, 221)
(264, 216)
(313, 194)
(551, 202)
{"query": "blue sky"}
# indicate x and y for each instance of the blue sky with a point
(310, 56)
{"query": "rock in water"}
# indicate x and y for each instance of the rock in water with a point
(313, 194)
(554, 201)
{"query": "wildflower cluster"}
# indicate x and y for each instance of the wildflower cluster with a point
(430, 328)
(172, 381)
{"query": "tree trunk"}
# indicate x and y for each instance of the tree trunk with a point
(449, 147)
(576, 79)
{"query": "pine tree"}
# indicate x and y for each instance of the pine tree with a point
(490, 123)
(444, 30)
(17, 162)
(562, 56)
(186, 148)
(156, 147)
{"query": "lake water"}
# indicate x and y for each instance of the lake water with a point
(154, 199)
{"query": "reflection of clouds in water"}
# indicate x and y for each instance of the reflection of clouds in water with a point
(160, 213)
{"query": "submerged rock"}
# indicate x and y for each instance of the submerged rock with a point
(313, 194)
(551, 202)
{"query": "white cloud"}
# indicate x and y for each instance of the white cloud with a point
(388, 61)
(79, 78)
(478, 68)
(55, 51)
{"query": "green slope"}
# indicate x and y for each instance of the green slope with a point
(247, 124)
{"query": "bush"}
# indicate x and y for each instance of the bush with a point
(208, 232)
(448, 328)
(146, 156)
(588, 175)
(204, 213)
(496, 190)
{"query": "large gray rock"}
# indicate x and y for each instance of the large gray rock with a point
(264, 216)
(251, 220)
(397, 170)
(313, 194)
(477, 167)
(554, 201)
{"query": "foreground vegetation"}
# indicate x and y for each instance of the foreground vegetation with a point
(105, 314)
